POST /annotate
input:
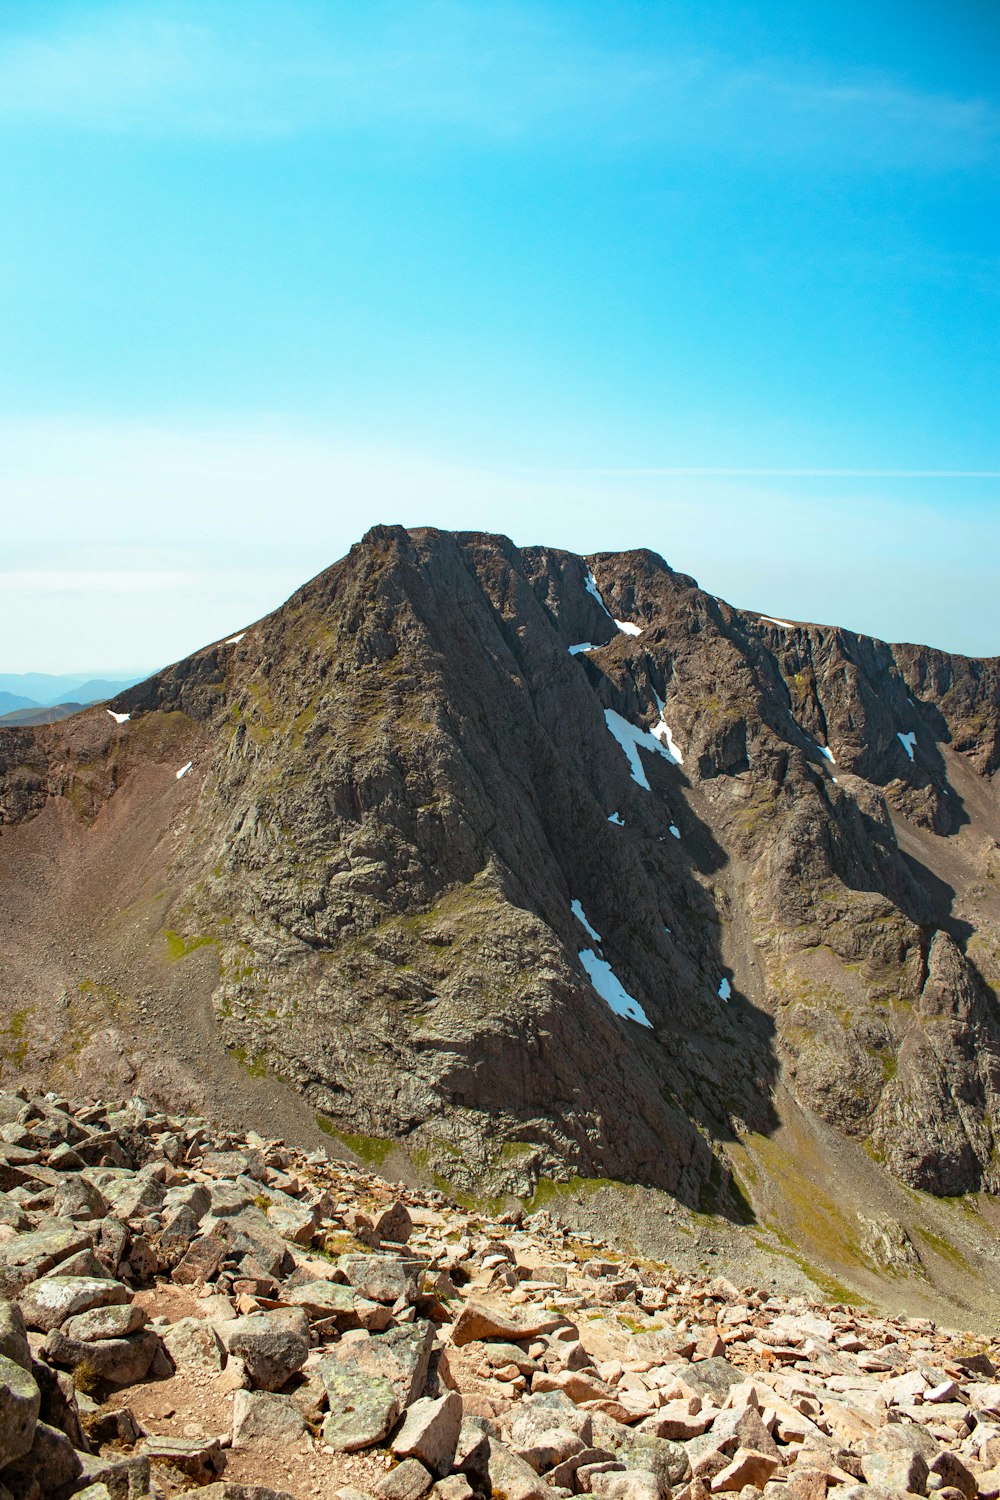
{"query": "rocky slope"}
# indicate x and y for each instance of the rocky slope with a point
(538, 865)
(186, 1312)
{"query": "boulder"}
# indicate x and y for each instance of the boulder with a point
(324, 1299)
(13, 1336)
(48, 1302)
(201, 1260)
(114, 1361)
(394, 1224)
(20, 1400)
(363, 1406)
(113, 1322)
(477, 1321)
(634, 1484)
(407, 1481)
(193, 1343)
(380, 1278)
(401, 1356)
(293, 1221)
(263, 1417)
(29, 1256)
(430, 1432)
(514, 1478)
(273, 1346)
(747, 1468)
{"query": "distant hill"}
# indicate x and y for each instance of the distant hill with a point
(44, 689)
(37, 713)
(10, 702)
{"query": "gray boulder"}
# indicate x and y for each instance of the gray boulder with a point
(20, 1400)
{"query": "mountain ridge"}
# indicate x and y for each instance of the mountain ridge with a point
(402, 780)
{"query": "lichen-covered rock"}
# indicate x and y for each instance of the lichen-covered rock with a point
(272, 1346)
(48, 1302)
(20, 1399)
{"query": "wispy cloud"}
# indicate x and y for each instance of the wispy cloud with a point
(506, 75)
(695, 473)
(204, 530)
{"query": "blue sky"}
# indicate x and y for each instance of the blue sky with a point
(719, 279)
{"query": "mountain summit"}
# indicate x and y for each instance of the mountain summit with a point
(537, 864)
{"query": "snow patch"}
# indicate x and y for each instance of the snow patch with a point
(583, 646)
(590, 585)
(627, 628)
(772, 620)
(661, 732)
(184, 769)
(675, 830)
(234, 640)
(908, 742)
(725, 988)
(617, 819)
(632, 739)
(581, 916)
(610, 988)
(119, 718)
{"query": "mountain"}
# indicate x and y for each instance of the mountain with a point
(11, 702)
(542, 867)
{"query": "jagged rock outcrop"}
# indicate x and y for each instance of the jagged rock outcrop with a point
(537, 864)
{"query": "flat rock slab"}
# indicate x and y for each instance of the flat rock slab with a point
(227, 1489)
(48, 1302)
(113, 1322)
(401, 1356)
(29, 1256)
(324, 1299)
(262, 1417)
(194, 1457)
(116, 1361)
(363, 1406)
(380, 1278)
(477, 1321)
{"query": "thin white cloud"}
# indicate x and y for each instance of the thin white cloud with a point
(200, 532)
(694, 473)
(503, 74)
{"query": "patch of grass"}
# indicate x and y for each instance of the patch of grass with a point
(370, 1149)
(549, 1191)
(179, 947)
(944, 1248)
(13, 1038)
(256, 1067)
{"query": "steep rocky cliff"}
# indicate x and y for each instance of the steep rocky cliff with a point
(537, 864)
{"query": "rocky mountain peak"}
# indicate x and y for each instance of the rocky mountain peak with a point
(535, 864)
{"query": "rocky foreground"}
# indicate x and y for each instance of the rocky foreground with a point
(192, 1312)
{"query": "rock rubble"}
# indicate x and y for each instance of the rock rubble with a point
(191, 1312)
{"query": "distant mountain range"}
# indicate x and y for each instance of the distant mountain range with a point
(42, 697)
